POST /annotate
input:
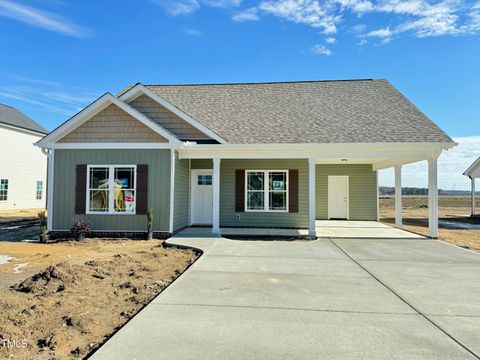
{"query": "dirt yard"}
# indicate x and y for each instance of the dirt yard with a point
(63, 300)
(454, 215)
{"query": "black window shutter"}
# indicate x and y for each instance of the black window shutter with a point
(293, 191)
(239, 190)
(81, 189)
(142, 190)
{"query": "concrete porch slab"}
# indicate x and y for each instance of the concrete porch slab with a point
(325, 229)
(361, 229)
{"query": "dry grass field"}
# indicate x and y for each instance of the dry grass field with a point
(452, 209)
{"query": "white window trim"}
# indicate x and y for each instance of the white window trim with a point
(37, 191)
(111, 177)
(7, 190)
(266, 191)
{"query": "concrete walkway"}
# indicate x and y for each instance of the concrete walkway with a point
(324, 299)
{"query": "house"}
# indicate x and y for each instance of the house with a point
(23, 166)
(473, 172)
(237, 155)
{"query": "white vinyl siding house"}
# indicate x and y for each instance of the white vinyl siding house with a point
(23, 169)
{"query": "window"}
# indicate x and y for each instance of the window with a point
(111, 189)
(204, 180)
(39, 190)
(266, 190)
(3, 189)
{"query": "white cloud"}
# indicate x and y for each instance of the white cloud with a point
(358, 29)
(422, 18)
(178, 7)
(330, 40)
(426, 19)
(42, 19)
(247, 15)
(47, 95)
(193, 32)
(222, 3)
(184, 7)
(451, 166)
(362, 42)
(359, 6)
(321, 50)
(309, 12)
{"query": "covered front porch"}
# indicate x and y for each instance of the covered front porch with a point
(333, 182)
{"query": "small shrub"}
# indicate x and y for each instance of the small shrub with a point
(150, 224)
(42, 219)
(80, 228)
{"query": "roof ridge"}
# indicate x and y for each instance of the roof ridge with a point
(267, 82)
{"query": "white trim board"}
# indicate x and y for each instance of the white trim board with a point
(140, 89)
(93, 109)
(172, 190)
(126, 145)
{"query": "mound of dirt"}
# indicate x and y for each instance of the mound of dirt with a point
(52, 279)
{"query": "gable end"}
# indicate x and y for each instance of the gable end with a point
(113, 125)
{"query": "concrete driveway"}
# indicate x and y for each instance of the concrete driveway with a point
(324, 299)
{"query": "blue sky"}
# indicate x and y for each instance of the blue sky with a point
(57, 56)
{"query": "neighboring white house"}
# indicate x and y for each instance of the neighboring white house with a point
(23, 166)
(473, 172)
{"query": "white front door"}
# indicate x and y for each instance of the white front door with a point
(338, 197)
(202, 197)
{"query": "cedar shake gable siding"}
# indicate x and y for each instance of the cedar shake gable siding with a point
(165, 118)
(112, 125)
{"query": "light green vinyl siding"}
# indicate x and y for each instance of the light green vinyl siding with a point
(202, 164)
(181, 191)
(362, 190)
(158, 162)
(228, 216)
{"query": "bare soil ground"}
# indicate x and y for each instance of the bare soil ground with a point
(454, 209)
(71, 296)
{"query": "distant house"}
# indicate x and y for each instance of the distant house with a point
(473, 172)
(23, 166)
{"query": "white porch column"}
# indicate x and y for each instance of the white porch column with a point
(216, 197)
(312, 230)
(50, 176)
(474, 203)
(398, 196)
(432, 198)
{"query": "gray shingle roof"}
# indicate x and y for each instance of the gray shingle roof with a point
(13, 117)
(348, 111)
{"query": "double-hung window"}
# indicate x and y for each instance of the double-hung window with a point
(39, 192)
(111, 189)
(266, 190)
(3, 189)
